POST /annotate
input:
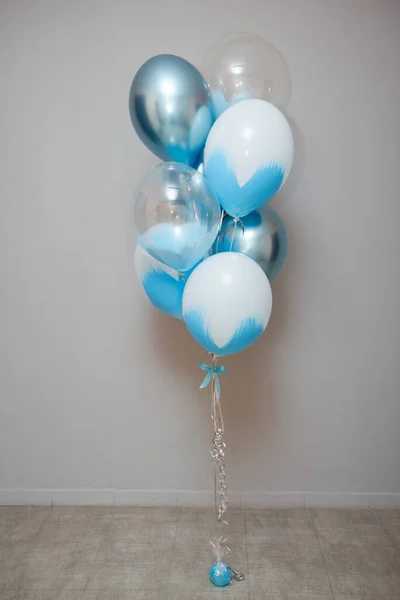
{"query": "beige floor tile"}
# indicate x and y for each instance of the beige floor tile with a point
(288, 563)
(11, 555)
(270, 577)
(21, 523)
(202, 520)
(369, 596)
(132, 523)
(124, 553)
(261, 595)
(42, 595)
(73, 595)
(122, 595)
(359, 586)
(391, 521)
(76, 528)
(157, 513)
(284, 554)
(357, 570)
(58, 513)
(280, 525)
(127, 565)
(351, 527)
(125, 577)
(53, 566)
(234, 591)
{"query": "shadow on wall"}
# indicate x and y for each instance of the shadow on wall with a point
(298, 168)
(249, 395)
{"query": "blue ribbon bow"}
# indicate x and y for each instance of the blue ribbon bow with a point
(212, 373)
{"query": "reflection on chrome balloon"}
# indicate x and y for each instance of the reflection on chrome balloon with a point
(261, 235)
(171, 108)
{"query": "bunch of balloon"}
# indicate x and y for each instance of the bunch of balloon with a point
(208, 245)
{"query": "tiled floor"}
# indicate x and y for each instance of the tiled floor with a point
(96, 553)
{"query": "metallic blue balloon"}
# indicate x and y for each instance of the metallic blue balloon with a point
(263, 238)
(171, 108)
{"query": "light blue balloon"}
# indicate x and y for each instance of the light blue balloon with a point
(261, 235)
(162, 286)
(171, 108)
(220, 574)
(164, 292)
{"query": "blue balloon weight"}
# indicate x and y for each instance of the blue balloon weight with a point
(176, 215)
(171, 108)
(220, 574)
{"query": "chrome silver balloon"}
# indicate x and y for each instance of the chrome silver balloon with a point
(261, 235)
(171, 108)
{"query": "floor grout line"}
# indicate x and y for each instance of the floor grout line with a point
(322, 552)
(247, 553)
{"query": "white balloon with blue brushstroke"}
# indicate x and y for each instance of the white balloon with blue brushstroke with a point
(248, 156)
(162, 285)
(227, 303)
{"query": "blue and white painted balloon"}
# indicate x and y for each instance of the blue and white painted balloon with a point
(162, 285)
(227, 303)
(248, 156)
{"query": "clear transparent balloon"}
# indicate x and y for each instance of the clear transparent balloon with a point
(176, 215)
(241, 66)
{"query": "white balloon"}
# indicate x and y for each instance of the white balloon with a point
(248, 156)
(227, 303)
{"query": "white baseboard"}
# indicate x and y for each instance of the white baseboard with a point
(117, 497)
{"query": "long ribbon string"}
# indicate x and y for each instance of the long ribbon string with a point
(217, 450)
(236, 220)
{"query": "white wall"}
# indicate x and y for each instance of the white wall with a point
(99, 392)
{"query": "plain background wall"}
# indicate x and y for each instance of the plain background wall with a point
(99, 391)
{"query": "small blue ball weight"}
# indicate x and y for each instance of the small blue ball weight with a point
(220, 574)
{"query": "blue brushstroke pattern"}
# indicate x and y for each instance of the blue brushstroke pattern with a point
(240, 201)
(180, 253)
(164, 291)
(246, 333)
